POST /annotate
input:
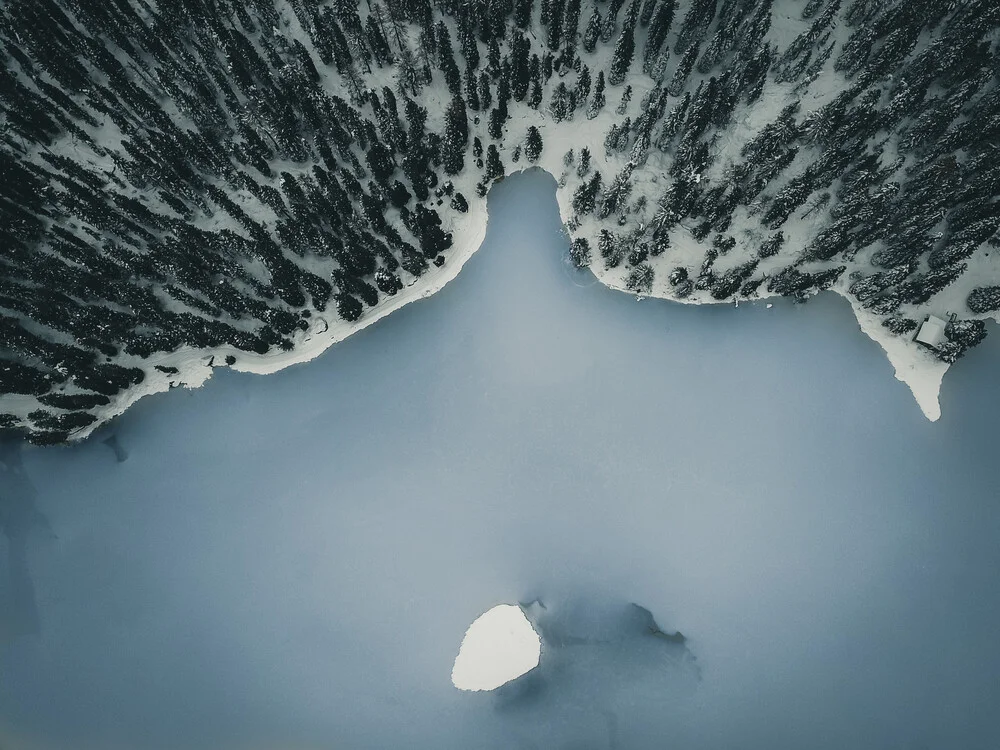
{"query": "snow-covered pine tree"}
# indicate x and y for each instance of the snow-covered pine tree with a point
(456, 136)
(597, 100)
(532, 144)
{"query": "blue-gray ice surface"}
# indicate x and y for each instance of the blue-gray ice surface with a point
(292, 560)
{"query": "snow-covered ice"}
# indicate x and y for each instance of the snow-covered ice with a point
(499, 646)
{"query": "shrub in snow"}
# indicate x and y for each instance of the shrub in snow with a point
(984, 299)
(459, 203)
(348, 307)
(579, 252)
(640, 279)
(900, 326)
(684, 289)
(962, 336)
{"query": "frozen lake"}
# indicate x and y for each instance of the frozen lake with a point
(292, 560)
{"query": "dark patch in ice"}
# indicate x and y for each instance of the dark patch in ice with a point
(597, 654)
(121, 455)
(19, 517)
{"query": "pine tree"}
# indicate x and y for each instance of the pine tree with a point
(683, 70)
(571, 23)
(657, 67)
(467, 35)
(597, 102)
(614, 197)
(533, 144)
(409, 76)
(520, 68)
(485, 97)
(348, 307)
(380, 160)
(472, 89)
(536, 95)
(559, 105)
(579, 252)
(659, 27)
(585, 197)
(494, 166)
(456, 136)
(493, 54)
(593, 31)
(446, 59)
(503, 92)
(696, 22)
(582, 90)
(496, 122)
(387, 282)
(626, 98)
(648, 6)
(622, 59)
(522, 12)
(660, 244)
(548, 67)
(377, 41)
(611, 249)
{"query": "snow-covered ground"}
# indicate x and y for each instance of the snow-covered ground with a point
(292, 561)
(499, 646)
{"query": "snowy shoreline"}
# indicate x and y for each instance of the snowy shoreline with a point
(916, 369)
(920, 372)
(646, 176)
(196, 366)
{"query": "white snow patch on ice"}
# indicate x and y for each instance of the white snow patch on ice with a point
(498, 647)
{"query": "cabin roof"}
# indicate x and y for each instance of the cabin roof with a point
(931, 333)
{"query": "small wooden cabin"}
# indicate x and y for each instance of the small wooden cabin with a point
(931, 333)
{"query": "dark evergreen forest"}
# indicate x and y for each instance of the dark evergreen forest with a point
(217, 175)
